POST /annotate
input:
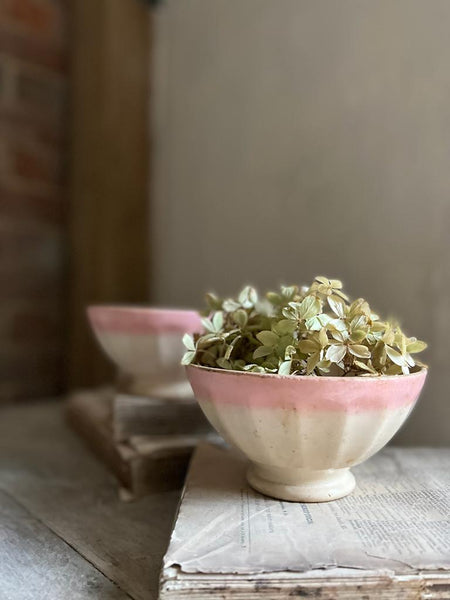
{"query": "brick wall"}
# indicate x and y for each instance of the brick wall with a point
(33, 72)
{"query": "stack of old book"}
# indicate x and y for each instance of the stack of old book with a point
(146, 427)
(389, 539)
(146, 441)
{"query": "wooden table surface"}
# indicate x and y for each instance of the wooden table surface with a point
(63, 531)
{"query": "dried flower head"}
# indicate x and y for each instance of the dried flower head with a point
(307, 331)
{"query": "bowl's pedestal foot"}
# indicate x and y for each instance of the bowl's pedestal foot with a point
(301, 485)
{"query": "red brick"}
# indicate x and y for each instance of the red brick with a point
(43, 93)
(25, 246)
(30, 371)
(31, 90)
(29, 166)
(49, 209)
(30, 326)
(49, 135)
(24, 321)
(37, 52)
(34, 283)
(33, 63)
(18, 360)
(42, 18)
(32, 166)
(3, 80)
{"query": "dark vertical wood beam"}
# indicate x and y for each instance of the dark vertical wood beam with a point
(108, 217)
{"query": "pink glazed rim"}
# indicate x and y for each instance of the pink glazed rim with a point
(305, 392)
(139, 320)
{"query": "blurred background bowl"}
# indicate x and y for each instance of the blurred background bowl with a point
(146, 345)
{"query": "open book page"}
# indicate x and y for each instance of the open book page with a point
(397, 519)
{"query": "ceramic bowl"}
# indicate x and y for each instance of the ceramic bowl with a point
(302, 434)
(146, 344)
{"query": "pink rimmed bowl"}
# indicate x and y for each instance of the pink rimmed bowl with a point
(301, 433)
(146, 344)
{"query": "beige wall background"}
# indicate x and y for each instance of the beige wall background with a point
(303, 137)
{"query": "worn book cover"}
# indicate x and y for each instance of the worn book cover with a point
(141, 462)
(388, 539)
(143, 415)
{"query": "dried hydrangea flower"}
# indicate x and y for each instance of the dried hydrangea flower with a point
(313, 330)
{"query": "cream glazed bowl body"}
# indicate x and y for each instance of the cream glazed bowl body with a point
(303, 433)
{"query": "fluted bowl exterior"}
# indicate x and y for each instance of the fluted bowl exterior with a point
(304, 422)
(145, 343)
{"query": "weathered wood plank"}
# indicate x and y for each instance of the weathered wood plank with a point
(36, 563)
(51, 473)
(109, 170)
